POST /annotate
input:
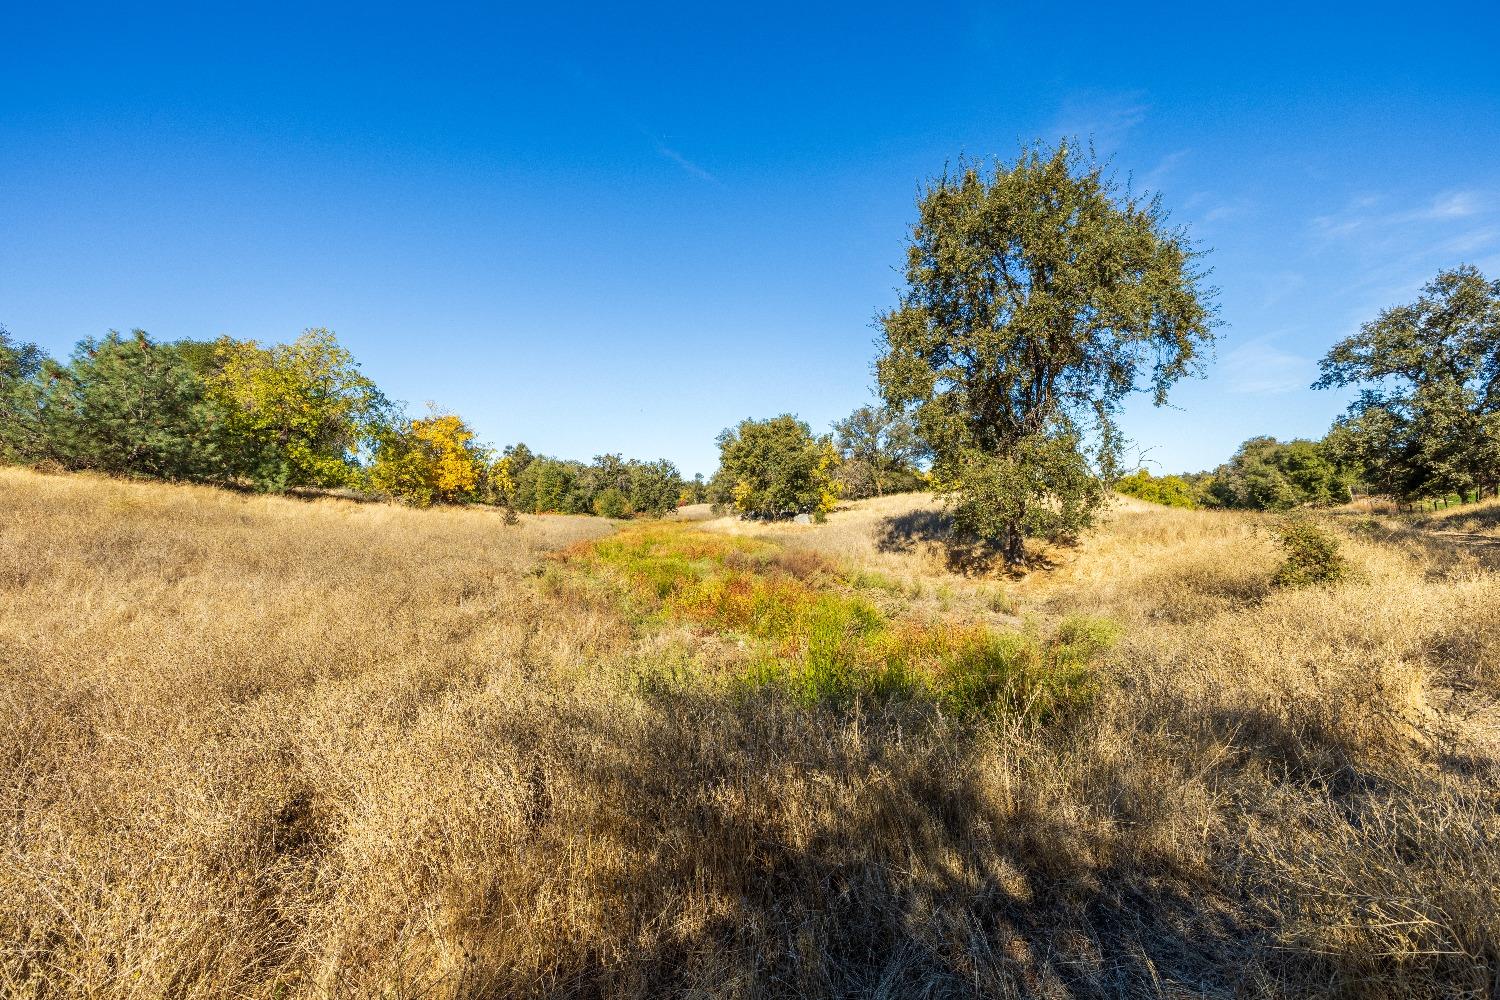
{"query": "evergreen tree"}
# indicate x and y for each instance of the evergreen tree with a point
(21, 364)
(126, 405)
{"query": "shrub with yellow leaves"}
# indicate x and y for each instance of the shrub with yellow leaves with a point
(430, 461)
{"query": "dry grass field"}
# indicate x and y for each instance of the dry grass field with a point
(255, 747)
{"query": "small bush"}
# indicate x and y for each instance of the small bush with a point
(872, 580)
(1001, 602)
(1312, 555)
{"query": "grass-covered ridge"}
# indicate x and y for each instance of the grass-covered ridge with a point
(815, 635)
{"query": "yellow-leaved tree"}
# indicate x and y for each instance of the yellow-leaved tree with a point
(430, 460)
(830, 490)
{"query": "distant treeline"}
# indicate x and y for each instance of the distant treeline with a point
(302, 415)
(287, 416)
(1264, 474)
(1425, 427)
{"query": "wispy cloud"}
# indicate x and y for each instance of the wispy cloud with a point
(686, 164)
(1153, 179)
(1107, 118)
(1472, 241)
(1276, 286)
(1205, 208)
(1260, 368)
(1378, 216)
(1396, 245)
(1360, 213)
(606, 99)
(1457, 205)
(1228, 210)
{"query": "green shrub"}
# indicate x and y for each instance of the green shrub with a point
(775, 468)
(1312, 555)
(866, 579)
(1266, 474)
(1169, 491)
(611, 503)
(1079, 639)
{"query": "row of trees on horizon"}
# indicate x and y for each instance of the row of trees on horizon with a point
(1039, 295)
(303, 416)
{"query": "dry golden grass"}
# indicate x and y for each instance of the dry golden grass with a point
(1480, 520)
(270, 748)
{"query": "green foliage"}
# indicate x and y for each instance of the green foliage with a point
(654, 487)
(550, 485)
(819, 643)
(204, 357)
(1375, 447)
(695, 491)
(1266, 474)
(1038, 297)
(610, 502)
(998, 496)
(1427, 422)
(21, 364)
(128, 406)
(775, 468)
(1169, 491)
(304, 407)
(868, 579)
(1312, 555)
(878, 452)
(298, 414)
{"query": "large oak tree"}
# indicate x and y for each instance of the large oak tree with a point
(1427, 421)
(1039, 294)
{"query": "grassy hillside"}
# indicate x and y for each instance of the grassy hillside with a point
(271, 748)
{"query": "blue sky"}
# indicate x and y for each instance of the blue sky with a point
(601, 230)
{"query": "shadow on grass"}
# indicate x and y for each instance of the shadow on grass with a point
(780, 857)
(907, 532)
(1447, 544)
(933, 530)
(1479, 519)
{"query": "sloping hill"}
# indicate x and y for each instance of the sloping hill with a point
(263, 747)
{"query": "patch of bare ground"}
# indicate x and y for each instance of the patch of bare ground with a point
(271, 748)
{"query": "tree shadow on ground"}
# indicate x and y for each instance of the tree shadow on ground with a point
(1461, 519)
(907, 532)
(933, 531)
(777, 857)
(1446, 545)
